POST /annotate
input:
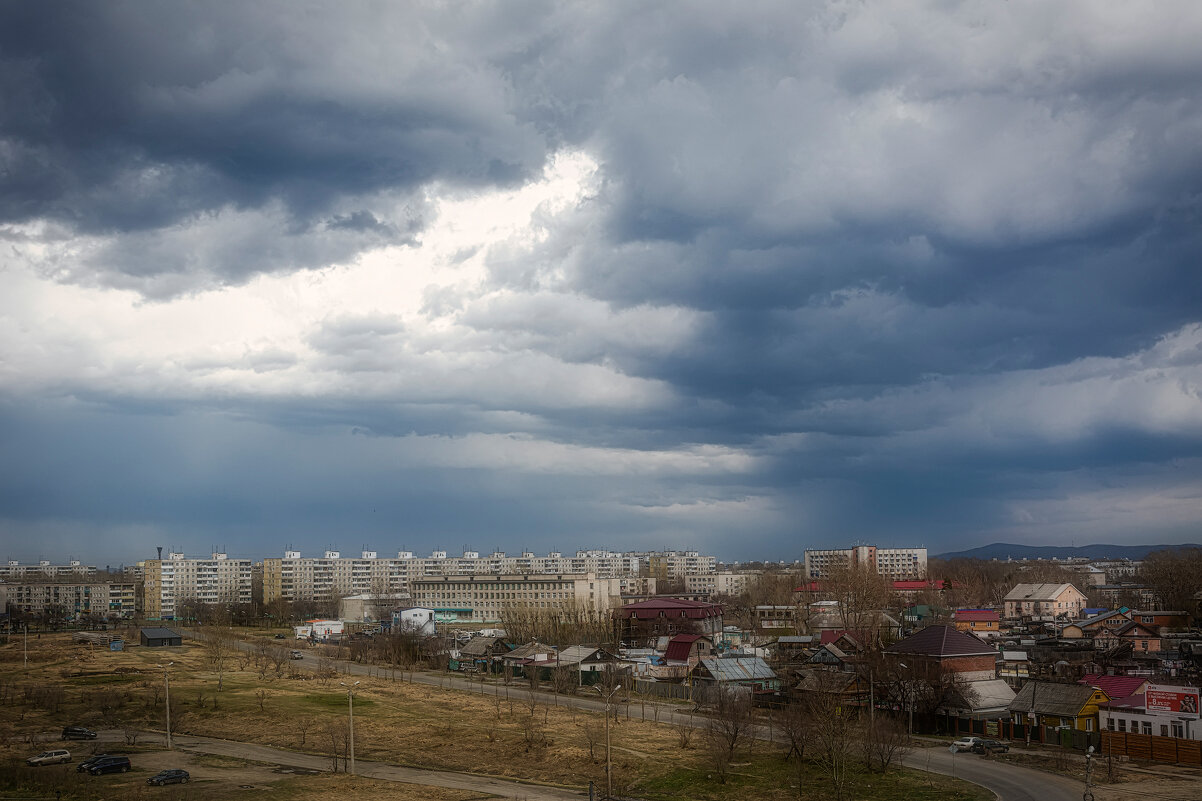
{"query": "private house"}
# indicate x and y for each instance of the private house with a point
(743, 671)
(1107, 620)
(774, 617)
(483, 654)
(1044, 601)
(658, 617)
(981, 622)
(793, 648)
(688, 649)
(1073, 706)
(1116, 686)
(832, 656)
(1142, 638)
(1159, 620)
(939, 650)
(587, 660)
(943, 649)
(157, 637)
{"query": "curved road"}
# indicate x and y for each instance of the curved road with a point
(1009, 782)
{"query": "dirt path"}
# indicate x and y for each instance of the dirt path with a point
(484, 785)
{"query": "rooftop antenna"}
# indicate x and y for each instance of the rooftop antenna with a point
(160, 553)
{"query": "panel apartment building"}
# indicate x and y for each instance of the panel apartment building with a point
(304, 578)
(483, 598)
(171, 582)
(892, 563)
(69, 600)
(43, 569)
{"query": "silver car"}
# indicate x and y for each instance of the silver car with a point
(55, 757)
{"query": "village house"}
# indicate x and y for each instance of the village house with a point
(688, 649)
(1073, 706)
(1044, 600)
(940, 650)
(981, 622)
(744, 671)
(1143, 639)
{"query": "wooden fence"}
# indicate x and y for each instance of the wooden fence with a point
(1152, 748)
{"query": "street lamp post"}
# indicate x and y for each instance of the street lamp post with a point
(609, 784)
(26, 645)
(350, 706)
(167, 700)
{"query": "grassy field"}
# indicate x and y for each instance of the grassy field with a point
(398, 722)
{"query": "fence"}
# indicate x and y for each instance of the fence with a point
(1152, 748)
(663, 689)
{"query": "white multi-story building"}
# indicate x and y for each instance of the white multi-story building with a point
(299, 578)
(717, 583)
(73, 569)
(170, 582)
(487, 597)
(892, 563)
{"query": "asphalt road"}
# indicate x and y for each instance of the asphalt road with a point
(1009, 782)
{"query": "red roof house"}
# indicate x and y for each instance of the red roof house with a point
(657, 617)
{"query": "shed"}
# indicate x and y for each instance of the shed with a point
(159, 637)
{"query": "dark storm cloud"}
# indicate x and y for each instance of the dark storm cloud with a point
(932, 269)
(136, 117)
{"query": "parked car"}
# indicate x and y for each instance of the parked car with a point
(172, 776)
(55, 757)
(990, 747)
(296, 655)
(83, 766)
(78, 733)
(965, 743)
(110, 764)
(280, 637)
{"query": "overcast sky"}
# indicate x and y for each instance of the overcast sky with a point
(745, 278)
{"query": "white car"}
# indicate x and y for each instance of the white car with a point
(50, 757)
(965, 743)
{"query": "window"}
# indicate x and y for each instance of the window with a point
(1110, 724)
(1147, 726)
(1122, 724)
(1178, 729)
(1164, 730)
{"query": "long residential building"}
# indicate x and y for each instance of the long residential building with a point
(332, 575)
(13, 569)
(69, 600)
(170, 583)
(892, 563)
(488, 597)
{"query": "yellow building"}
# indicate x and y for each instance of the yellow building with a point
(1073, 706)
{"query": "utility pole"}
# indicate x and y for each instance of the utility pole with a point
(26, 645)
(167, 700)
(350, 702)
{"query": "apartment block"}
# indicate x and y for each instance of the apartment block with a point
(169, 583)
(487, 597)
(73, 569)
(69, 600)
(892, 563)
(299, 578)
(676, 565)
(711, 584)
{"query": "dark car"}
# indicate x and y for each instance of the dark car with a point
(280, 637)
(990, 747)
(82, 767)
(78, 733)
(111, 764)
(173, 776)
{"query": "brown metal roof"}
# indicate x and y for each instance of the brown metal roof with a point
(941, 641)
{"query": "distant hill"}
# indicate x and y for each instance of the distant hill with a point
(1003, 551)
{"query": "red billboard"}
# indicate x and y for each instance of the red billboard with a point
(1181, 701)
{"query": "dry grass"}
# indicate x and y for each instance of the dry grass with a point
(395, 721)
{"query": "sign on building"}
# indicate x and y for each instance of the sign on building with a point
(1181, 701)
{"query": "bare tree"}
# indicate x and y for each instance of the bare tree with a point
(861, 593)
(885, 742)
(593, 734)
(730, 722)
(219, 646)
(832, 731)
(794, 723)
(338, 735)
